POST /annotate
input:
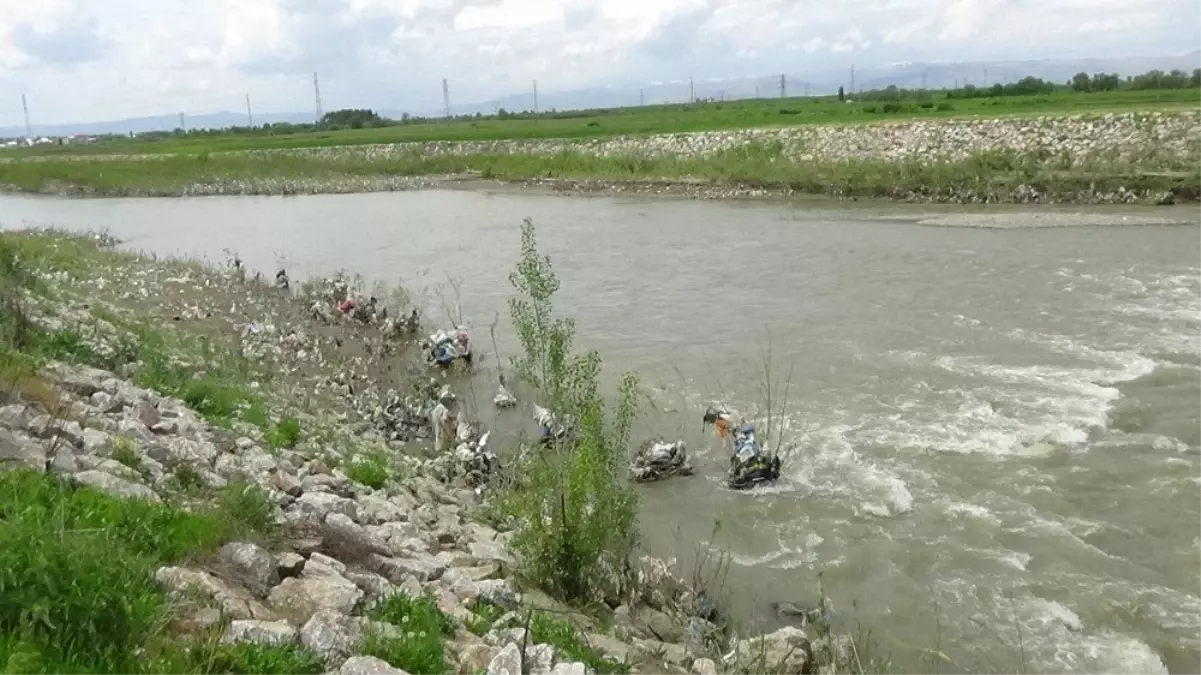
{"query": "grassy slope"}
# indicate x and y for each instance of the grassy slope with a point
(657, 119)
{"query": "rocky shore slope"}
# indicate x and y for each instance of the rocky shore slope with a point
(307, 543)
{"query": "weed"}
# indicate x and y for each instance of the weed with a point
(125, 451)
(285, 434)
(483, 616)
(244, 511)
(211, 656)
(370, 469)
(418, 647)
(545, 629)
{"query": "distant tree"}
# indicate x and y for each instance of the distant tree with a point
(351, 117)
(1080, 82)
(842, 95)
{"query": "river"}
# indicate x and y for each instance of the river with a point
(996, 434)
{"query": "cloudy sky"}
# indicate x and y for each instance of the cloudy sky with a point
(90, 60)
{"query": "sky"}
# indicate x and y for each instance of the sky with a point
(93, 60)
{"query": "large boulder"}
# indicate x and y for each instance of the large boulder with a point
(251, 565)
(319, 586)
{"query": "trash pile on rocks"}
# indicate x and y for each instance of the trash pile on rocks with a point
(657, 459)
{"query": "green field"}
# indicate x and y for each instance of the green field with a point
(742, 114)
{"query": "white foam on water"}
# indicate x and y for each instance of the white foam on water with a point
(969, 510)
(829, 465)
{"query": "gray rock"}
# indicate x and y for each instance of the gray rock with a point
(14, 416)
(704, 667)
(146, 413)
(368, 665)
(64, 462)
(396, 569)
(18, 451)
(96, 442)
(315, 506)
(289, 565)
(373, 585)
(506, 662)
(569, 668)
(234, 602)
(460, 583)
(117, 487)
(319, 586)
(611, 647)
(250, 565)
(660, 625)
(785, 651)
(260, 632)
(131, 428)
(79, 380)
(375, 510)
(350, 539)
(476, 657)
(490, 551)
(331, 634)
(498, 592)
(188, 451)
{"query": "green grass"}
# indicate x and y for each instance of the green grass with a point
(654, 119)
(285, 433)
(370, 469)
(545, 629)
(76, 569)
(214, 658)
(419, 648)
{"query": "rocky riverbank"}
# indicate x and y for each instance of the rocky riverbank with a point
(1124, 158)
(210, 426)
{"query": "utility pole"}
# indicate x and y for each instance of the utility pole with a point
(986, 76)
(183, 126)
(691, 92)
(249, 115)
(446, 97)
(317, 98)
(641, 98)
(852, 79)
(535, 96)
(28, 126)
(923, 78)
(756, 90)
(783, 85)
(806, 90)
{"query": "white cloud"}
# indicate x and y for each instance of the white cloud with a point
(103, 59)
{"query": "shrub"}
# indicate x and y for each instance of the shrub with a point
(576, 519)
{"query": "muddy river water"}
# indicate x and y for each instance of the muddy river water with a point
(995, 434)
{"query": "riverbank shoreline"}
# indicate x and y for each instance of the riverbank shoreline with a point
(1110, 159)
(180, 388)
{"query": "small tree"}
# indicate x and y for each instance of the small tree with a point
(842, 95)
(576, 519)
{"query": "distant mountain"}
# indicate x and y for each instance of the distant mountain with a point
(908, 75)
(138, 125)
